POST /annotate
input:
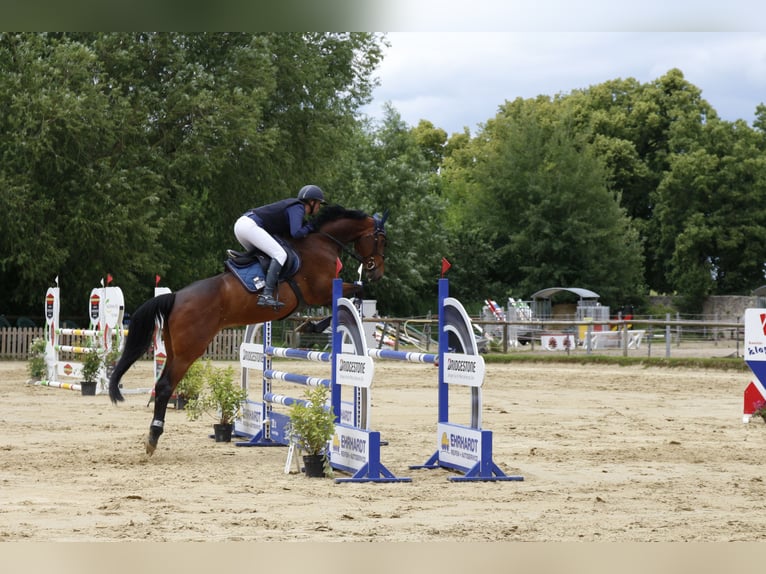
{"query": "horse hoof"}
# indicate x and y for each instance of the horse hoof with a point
(150, 448)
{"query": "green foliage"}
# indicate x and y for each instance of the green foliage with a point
(391, 170)
(192, 383)
(133, 153)
(36, 362)
(221, 397)
(534, 210)
(91, 365)
(312, 424)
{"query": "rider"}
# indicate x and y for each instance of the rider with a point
(254, 229)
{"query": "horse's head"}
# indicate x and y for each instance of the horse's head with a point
(371, 247)
(367, 233)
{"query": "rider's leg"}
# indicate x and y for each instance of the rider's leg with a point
(267, 297)
(250, 235)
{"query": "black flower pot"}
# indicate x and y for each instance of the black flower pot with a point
(313, 465)
(88, 387)
(222, 432)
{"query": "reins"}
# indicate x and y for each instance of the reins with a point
(344, 248)
(369, 260)
(342, 245)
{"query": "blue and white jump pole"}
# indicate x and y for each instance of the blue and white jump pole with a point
(354, 448)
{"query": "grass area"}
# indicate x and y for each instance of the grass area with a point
(722, 363)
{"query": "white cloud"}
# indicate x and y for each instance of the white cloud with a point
(457, 79)
(573, 15)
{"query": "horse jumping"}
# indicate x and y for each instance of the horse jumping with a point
(191, 317)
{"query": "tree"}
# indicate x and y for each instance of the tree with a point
(536, 193)
(133, 153)
(75, 200)
(389, 170)
(711, 216)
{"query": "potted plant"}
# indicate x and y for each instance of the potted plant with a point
(220, 397)
(312, 425)
(190, 387)
(36, 366)
(91, 367)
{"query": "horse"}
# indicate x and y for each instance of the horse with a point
(190, 318)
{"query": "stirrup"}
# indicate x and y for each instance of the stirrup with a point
(269, 301)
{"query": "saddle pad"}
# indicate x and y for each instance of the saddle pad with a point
(252, 276)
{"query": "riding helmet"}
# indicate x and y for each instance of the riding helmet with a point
(309, 192)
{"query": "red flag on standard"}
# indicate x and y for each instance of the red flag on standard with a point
(338, 267)
(445, 265)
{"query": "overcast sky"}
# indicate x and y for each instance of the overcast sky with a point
(458, 79)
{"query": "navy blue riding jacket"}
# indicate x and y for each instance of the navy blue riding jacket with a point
(284, 218)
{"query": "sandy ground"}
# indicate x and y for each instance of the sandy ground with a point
(606, 453)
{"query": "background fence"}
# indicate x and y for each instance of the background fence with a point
(669, 337)
(15, 342)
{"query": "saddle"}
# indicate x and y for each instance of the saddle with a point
(250, 266)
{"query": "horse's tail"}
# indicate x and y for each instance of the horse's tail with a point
(139, 337)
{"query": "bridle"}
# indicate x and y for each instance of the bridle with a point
(378, 235)
(378, 247)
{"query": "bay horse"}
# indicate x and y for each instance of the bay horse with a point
(191, 317)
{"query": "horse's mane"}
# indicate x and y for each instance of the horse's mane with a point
(335, 212)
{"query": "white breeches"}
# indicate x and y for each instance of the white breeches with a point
(251, 235)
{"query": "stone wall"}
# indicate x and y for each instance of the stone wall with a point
(728, 308)
(724, 308)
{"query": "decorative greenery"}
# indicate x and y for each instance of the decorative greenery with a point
(36, 365)
(111, 358)
(91, 365)
(193, 382)
(312, 424)
(219, 394)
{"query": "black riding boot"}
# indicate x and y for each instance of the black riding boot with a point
(267, 297)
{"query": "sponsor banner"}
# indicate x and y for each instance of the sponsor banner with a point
(114, 305)
(51, 306)
(250, 419)
(460, 369)
(69, 369)
(557, 342)
(459, 446)
(347, 413)
(354, 370)
(251, 356)
(755, 342)
(349, 447)
(95, 307)
(755, 334)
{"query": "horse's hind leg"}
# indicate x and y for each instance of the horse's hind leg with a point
(175, 369)
(163, 390)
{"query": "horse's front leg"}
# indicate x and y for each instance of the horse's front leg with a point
(162, 392)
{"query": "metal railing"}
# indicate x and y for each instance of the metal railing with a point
(625, 336)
